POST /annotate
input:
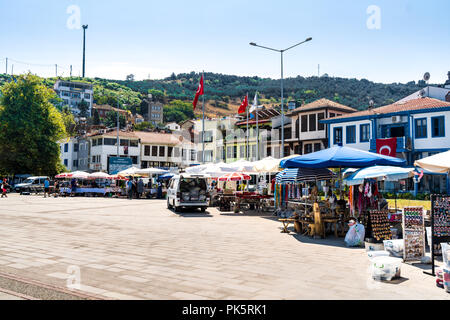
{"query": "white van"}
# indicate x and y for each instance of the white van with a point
(31, 184)
(188, 191)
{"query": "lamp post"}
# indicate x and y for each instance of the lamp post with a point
(282, 88)
(84, 47)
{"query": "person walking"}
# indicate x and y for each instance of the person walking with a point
(56, 186)
(130, 188)
(140, 188)
(4, 188)
(46, 188)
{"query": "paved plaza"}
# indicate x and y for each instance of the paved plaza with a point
(122, 249)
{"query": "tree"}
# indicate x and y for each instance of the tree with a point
(30, 128)
(143, 126)
(110, 120)
(96, 118)
(68, 120)
(130, 77)
(178, 111)
(83, 106)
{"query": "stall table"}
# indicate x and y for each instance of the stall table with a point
(252, 199)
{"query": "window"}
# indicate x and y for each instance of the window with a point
(66, 94)
(208, 136)
(317, 147)
(133, 143)
(337, 136)
(147, 151)
(312, 122)
(169, 151)
(332, 115)
(321, 116)
(269, 151)
(193, 155)
(124, 142)
(154, 151)
(304, 123)
(350, 134)
(242, 152)
(87, 95)
(66, 162)
(162, 151)
(94, 142)
(75, 147)
(108, 142)
(93, 159)
(438, 129)
(75, 163)
(177, 152)
(234, 152)
(287, 151)
(364, 133)
(254, 151)
(308, 148)
(229, 152)
(99, 141)
(421, 128)
(66, 147)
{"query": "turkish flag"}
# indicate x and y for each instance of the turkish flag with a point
(198, 93)
(243, 106)
(387, 147)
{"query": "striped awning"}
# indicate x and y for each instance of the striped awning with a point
(303, 174)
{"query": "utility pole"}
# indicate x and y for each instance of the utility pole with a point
(6, 65)
(12, 70)
(71, 71)
(84, 47)
(56, 70)
(203, 121)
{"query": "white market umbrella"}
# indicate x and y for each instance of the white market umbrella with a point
(79, 175)
(387, 173)
(132, 171)
(438, 163)
(238, 166)
(212, 169)
(99, 175)
(150, 171)
(270, 164)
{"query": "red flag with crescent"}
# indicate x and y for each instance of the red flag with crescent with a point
(243, 106)
(387, 147)
(198, 93)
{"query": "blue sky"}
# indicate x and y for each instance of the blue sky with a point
(157, 38)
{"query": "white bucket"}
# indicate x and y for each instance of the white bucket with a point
(385, 268)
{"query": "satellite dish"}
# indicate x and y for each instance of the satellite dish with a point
(422, 93)
(426, 76)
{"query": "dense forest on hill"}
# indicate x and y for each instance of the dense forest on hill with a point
(224, 92)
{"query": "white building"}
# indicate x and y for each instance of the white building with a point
(72, 93)
(103, 145)
(173, 126)
(421, 127)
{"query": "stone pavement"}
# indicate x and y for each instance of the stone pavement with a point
(138, 249)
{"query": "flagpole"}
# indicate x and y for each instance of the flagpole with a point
(247, 146)
(257, 129)
(203, 118)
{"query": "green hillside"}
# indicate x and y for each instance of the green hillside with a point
(225, 91)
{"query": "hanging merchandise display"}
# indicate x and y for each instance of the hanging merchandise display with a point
(378, 225)
(413, 233)
(440, 224)
(363, 198)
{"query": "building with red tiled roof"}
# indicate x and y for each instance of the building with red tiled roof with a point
(417, 127)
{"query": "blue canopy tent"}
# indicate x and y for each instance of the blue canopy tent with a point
(165, 176)
(341, 157)
(303, 174)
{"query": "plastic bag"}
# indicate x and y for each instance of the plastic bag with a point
(394, 247)
(446, 253)
(355, 236)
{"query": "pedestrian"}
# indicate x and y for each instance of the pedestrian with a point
(140, 188)
(46, 188)
(73, 187)
(4, 188)
(56, 192)
(159, 190)
(130, 188)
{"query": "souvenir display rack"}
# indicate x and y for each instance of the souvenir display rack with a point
(440, 223)
(413, 233)
(378, 226)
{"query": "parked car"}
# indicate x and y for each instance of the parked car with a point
(188, 191)
(31, 184)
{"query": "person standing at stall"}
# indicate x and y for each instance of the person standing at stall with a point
(130, 188)
(140, 188)
(56, 186)
(46, 188)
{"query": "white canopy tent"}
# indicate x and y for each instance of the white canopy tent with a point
(439, 163)
(150, 171)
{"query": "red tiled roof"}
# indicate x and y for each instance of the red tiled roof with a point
(322, 103)
(252, 122)
(415, 104)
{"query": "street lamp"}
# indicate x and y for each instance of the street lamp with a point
(84, 47)
(282, 89)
